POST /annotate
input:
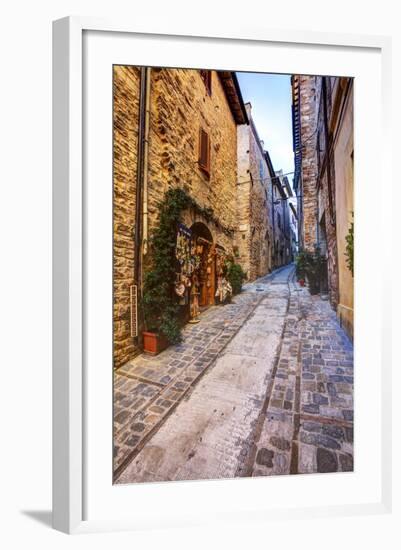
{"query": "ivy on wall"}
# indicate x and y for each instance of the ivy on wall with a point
(349, 248)
(159, 302)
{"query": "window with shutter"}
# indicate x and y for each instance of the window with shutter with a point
(204, 151)
(207, 80)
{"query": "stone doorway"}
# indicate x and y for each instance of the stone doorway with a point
(203, 241)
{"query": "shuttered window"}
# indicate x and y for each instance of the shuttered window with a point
(207, 80)
(204, 151)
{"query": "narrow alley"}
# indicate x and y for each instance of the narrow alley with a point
(233, 281)
(261, 386)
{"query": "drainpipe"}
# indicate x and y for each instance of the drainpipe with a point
(141, 184)
(328, 150)
(145, 165)
(139, 175)
(274, 235)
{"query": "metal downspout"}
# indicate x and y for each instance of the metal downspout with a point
(138, 194)
(145, 165)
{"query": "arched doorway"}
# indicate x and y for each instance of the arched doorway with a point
(204, 248)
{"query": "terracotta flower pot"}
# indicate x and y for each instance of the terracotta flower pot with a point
(301, 282)
(154, 343)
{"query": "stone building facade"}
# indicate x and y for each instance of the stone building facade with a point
(323, 147)
(342, 157)
(283, 230)
(304, 93)
(190, 142)
(254, 203)
(125, 150)
(280, 229)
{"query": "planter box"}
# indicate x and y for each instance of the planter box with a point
(153, 343)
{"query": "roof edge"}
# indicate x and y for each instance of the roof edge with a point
(233, 94)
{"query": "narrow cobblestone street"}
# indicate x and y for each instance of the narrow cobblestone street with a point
(261, 386)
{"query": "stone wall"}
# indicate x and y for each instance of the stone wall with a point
(309, 95)
(180, 106)
(282, 234)
(125, 123)
(253, 203)
(244, 199)
(327, 241)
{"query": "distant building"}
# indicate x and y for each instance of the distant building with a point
(285, 200)
(254, 203)
(278, 194)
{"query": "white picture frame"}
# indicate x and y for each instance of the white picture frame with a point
(70, 256)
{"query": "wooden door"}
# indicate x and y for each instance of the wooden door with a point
(203, 277)
(211, 279)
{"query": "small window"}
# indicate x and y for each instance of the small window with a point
(204, 151)
(207, 80)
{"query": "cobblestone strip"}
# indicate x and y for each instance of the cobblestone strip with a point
(275, 389)
(326, 428)
(147, 389)
(274, 446)
(308, 426)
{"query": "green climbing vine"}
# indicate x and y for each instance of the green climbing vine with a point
(159, 302)
(349, 248)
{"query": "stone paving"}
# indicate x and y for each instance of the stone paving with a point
(205, 436)
(148, 388)
(308, 424)
(262, 386)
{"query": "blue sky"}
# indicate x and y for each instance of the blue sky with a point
(270, 96)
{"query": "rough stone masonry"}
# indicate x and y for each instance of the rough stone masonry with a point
(180, 106)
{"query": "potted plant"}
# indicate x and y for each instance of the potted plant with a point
(310, 265)
(161, 311)
(313, 280)
(161, 315)
(235, 275)
(300, 267)
(153, 342)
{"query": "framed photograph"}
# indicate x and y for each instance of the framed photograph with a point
(217, 337)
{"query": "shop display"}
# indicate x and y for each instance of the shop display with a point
(200, 275)
(194, 302)
(224, 289)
